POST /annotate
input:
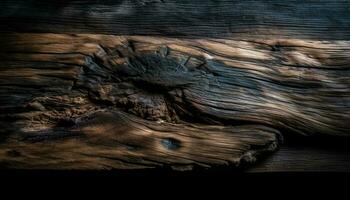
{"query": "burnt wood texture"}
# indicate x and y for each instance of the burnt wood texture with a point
(179, 84)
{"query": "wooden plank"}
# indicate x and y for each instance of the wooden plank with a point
(104, 101)
(297, 19)
(65, 108)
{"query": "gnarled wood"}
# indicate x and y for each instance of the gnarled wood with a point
(65, 98)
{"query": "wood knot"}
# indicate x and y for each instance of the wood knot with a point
(171, 143)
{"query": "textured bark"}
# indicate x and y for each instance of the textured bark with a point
(99, 101)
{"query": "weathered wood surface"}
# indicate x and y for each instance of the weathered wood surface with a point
(182, 84)
(64, 99)
(108, 139)
(296, 19)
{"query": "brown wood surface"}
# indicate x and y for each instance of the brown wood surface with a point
(145, 84)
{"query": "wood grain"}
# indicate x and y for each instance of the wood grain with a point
(115, 140)
(294, 19)
(173, 83)
(103, 101)
(308, 155)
